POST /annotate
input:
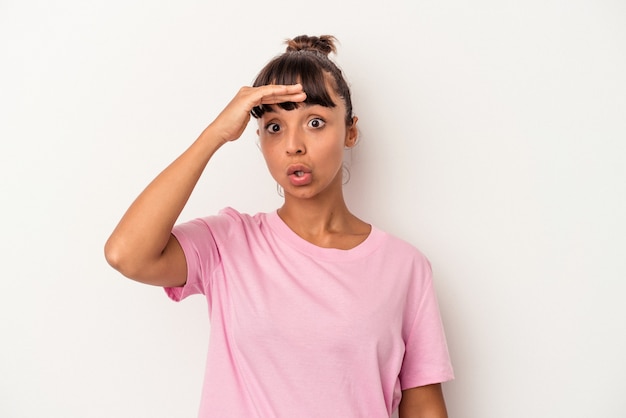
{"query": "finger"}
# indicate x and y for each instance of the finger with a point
(296, 98)
(270, 89)
(271, 94)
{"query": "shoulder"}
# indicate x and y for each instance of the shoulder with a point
(243, 220)
(225, 223)
(401, 260)
(399, 247)
(229, 216)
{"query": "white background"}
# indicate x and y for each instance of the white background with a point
(493, 137)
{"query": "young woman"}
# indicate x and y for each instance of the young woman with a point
(314, 312)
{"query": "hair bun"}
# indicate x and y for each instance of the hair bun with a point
(324, 44)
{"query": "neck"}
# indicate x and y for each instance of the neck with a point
(316, 216)
(324, 221)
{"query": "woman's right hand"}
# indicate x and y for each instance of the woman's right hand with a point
(232, 121)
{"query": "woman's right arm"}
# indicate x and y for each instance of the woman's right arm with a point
(142, 246)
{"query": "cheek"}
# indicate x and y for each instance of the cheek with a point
(269, 156)
(265, 150)
(335, 150)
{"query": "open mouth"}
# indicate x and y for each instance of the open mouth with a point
(299, 175)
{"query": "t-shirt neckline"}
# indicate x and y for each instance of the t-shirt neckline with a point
(284, 232)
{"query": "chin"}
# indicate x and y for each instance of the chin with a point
(300, 194)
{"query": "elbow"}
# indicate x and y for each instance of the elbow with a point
(115, 256)
(112, 254)
(132, 261)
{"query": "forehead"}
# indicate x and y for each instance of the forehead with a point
(335, 104)
(298, 108)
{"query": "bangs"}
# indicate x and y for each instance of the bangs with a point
(292, 68)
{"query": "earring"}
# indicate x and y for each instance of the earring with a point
(345, 174)
(280, 190)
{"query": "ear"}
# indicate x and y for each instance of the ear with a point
(352, 134)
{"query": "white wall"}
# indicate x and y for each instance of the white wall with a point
(492, 137)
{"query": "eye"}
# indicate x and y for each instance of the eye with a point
(316, 123)
(272, 127)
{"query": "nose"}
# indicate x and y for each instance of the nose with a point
(294, 145)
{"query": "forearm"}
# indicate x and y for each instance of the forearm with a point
(144, 231)
(423, 402)
(141, 246)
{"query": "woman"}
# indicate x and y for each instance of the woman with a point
(313, 311)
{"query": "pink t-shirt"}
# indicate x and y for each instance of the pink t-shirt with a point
(303, 331)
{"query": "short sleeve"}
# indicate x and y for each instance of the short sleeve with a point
(426, 360)
(199, 240)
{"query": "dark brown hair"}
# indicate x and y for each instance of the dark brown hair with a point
(306, 62)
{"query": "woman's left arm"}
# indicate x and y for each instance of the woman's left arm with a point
(423, 402)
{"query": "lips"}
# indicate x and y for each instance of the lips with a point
(297, 169)
(299, 174)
